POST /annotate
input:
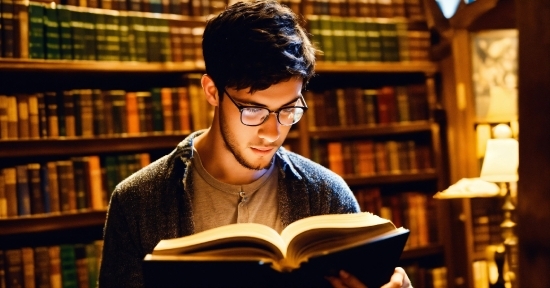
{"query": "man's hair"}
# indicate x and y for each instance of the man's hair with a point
(255, 45)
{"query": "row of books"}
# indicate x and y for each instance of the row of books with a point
(411, 9)
(345, 39)
(64, 265)
(368, 157)
(356, 106)
(75, 184)
(177, 7)
(39, 31)
(412, 210)
(93, 112)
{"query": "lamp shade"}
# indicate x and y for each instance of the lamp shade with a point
(501, 157)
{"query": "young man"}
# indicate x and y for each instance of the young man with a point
(258, 60)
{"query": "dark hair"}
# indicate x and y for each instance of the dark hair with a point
(255, 45)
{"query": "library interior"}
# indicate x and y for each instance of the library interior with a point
(415, 104)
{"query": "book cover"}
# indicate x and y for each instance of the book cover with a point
(302, 255)
(10, 183)
(42, 266)
(14, 267)
(23, 191)
(27, 258)
(3, 199)
(67, 257)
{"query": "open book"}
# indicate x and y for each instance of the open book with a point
(312, 247)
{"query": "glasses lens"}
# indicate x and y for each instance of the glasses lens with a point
(289, 116)
(253, 116)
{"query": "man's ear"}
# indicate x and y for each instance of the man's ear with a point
(210, 90)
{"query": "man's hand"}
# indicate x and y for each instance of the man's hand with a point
(399, 279)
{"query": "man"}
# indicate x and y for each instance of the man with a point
(258, 60)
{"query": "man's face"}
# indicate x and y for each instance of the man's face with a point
(254, 146)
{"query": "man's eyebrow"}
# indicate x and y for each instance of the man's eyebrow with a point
(256, 104)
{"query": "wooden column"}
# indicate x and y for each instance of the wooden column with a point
(533, 209)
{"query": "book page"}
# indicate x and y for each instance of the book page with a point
(233, 236)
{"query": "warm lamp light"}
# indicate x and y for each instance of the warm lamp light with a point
(501, 157)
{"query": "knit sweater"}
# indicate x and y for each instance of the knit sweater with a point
(155, 203)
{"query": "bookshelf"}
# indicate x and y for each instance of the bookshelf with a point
(85, 224)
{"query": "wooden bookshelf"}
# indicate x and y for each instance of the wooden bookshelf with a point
(51, 222)
(370, 130)
(83, 146)
(377, 67)
(53, 66)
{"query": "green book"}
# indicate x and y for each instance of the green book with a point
(102, 53)
(314, 30)
(403, 40)
(36, 30)
(77, 32)
(361, 40)
(158, 118)
(65, 32)
(89, 26)
(326, 38)
(112, 36)
(339, 39)
(153, 41)
(350, 35)
(389, 41)
(91, 255)
(125, 48)
(373, 40)
(51, 31)
(67, 256)
(138, 36)
(163, 29)
(111, 175)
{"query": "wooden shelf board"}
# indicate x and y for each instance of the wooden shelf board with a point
(51, 222)
(36, 65)
(426, 251)
(391, 178)
(369, 130)
(81, 146)
(377, 67)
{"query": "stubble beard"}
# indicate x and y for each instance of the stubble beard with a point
(230, 144)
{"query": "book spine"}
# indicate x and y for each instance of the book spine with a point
(52, 114)
(69, 272)
(125, 47)
(77, 33)
(8, 31)
(14, 267)
(23, 116)
(158, 118)
(112, 36)
(36, 30)
(65, 35)
(3, 116)
(35, 187)
(13, 118)
(23, 193)
(42, 266)
(3, 198)
(89, 25)
(27, 258)
(34, 124)
(52, 35)
(55, 266)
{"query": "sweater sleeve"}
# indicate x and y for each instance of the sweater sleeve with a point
(122, 256)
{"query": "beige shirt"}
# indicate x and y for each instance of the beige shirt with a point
(216, 203)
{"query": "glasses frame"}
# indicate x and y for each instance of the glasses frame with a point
(276, 112)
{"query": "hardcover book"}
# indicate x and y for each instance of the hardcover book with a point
(250, 254)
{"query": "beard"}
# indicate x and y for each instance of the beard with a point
(230, 141)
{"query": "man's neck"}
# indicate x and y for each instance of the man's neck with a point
(219, 162)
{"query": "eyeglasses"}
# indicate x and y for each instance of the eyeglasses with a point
(254, 116)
